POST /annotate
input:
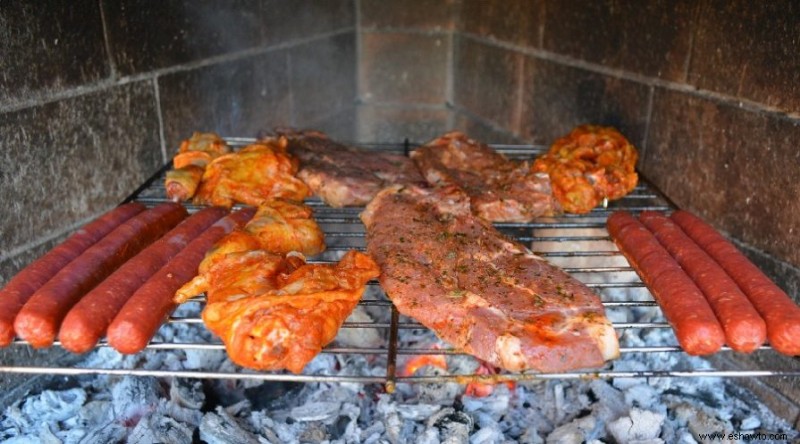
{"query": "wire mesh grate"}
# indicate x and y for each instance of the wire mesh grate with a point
(579, 244)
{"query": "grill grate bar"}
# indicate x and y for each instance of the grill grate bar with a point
(398, 350)
(413, 324)
(82, 371)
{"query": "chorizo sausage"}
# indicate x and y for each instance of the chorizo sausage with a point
(87, 321)
(40, 317)
(139, 319)
(22, 286)
(781, 314)
(744, 328)
(682, 303)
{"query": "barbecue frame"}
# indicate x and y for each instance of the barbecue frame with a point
(644, 197)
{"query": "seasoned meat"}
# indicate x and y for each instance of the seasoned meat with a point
(274, 312)
(253, 175)
(140, 317)
(181, 183)
(189, 164)
(500, 190)
(282, 226)
(697, 329)
(590, 164)
(347, 176)
(271, 309)
(479, 291)
(781, 313)
(278, 227)
(200, 149)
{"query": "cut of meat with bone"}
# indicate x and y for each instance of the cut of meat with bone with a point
(479, 291)
(347, 176)
(274, 312)
(500, 190)
(253, 175)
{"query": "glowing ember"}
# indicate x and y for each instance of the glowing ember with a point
(418, 362)
(476, 389)
(481, 389)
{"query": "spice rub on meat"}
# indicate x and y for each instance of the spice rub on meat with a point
(500, 190)
(477, 290)
(278, 227)
(272, 310)
(347, 176)
(589, 164)
(208, 172)
(253, 175)
(190, 163)
(275, 312)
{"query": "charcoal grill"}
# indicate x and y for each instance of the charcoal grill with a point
(344, 231)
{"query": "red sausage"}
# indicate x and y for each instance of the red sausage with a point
(682, 303)
(140, 318)
(781, 314)
(39, 319)
(22, 286)
(87, 321)
(744, 328)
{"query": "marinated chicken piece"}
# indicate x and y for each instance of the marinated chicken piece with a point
(283, 226)
(210, 143)
(275, 312)
(484, 294)
(254, 175)
(189, 164)
(589, 164)
(200, 149)
(500, 190)
(278, 227)
(181, 183)
(347, 176)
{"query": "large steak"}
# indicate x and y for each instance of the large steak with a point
(479, 291)
(501, 190)
(347, 176)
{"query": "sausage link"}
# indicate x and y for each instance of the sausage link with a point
(744, 328)
(87, 321)
(782, 315)
(39, 319)
(139, 319)
(22, 286)
(682, 303)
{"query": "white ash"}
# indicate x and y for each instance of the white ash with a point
(622, 410)
(361, 337)
(159, 428)
(577, 431)
(324, 411)
(640, 426)
(219, 427)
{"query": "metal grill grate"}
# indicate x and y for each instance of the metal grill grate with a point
(578, 243)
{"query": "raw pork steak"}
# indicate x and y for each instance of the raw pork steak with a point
(477, 290)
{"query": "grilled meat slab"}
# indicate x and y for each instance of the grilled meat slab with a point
(479, 291)
(347, 176)
(500, 190)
